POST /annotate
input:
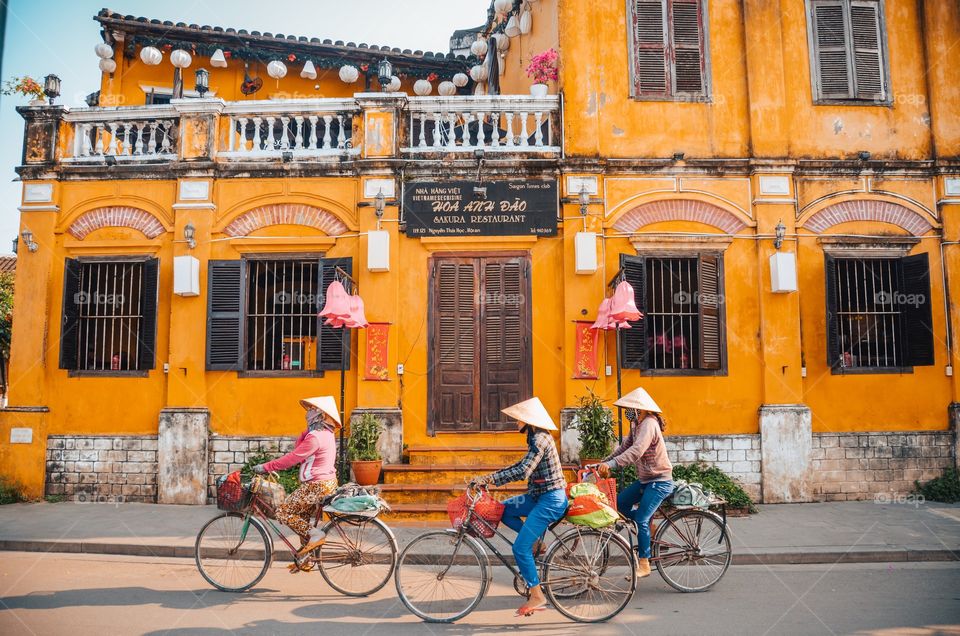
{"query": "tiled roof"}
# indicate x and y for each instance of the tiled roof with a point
(276, 41)
(8, 264)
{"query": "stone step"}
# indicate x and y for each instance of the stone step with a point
(464, 455)
(438, 493)
(446, 473)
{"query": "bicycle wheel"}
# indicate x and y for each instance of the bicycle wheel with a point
(441, 576)
(692, 550)
(358, 556)
(232, 553)
(589, 575)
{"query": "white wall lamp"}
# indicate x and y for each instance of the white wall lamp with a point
(585, 243)
(27, 237)
(378, 241)
(783, 265)
(189, 235)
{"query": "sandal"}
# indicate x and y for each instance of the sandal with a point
(529, 611)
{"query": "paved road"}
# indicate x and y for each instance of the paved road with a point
(93, 594)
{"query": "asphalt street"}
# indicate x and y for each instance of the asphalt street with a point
(50, 593)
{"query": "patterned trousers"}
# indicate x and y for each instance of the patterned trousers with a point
(296, 511)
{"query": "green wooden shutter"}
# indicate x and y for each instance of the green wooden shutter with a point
(225, 290)
(69, 345)
(147, 334)
(651, 54)
(834, 76)
(834, 357)
(915, 310)
(686, 34)
(866, 35)
(710, 306)
(634, 347)
(333, 344)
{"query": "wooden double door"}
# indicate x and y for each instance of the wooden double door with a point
(480, 357)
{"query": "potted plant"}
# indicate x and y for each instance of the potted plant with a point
(543, 69)
(365, 460)
(26, 86)
(594, 425)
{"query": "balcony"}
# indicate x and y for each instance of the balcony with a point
(322, 131)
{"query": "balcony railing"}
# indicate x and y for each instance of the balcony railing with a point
(504, 123)
(125, 134)
(305, 128)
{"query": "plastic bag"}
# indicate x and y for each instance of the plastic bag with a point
(690, 494)
(590, 510)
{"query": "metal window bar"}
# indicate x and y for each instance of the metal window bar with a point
(281, 315)
(109, 316)
(673, 318)
(868, 315)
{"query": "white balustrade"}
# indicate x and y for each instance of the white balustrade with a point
(497, 123)
(125, 134)
(305, 128)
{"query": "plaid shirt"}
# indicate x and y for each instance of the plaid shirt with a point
(540, 466)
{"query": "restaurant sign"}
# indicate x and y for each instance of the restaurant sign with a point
(472, 208)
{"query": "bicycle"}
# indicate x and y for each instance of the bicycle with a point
(234, 550)
(588, 575)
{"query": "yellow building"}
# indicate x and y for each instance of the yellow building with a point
(778, 181)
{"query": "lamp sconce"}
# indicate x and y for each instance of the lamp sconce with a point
(779, 232)
(379, 204)
(384, 73)
(202, 81)
(584, 199)
(189, 235)
(51, 87)
(27, 237)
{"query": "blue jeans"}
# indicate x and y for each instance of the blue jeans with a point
(540, 511)
(649, 496)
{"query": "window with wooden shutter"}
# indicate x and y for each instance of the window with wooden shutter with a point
(682, 330)
(480, 350)
(224, 314)
(847, 50)
(109, 315)
(334, 343)
(878, 313)
(669, 49)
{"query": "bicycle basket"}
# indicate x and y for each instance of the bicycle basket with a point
(232, 496)
(486, 508)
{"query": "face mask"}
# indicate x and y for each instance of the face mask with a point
(314, 418)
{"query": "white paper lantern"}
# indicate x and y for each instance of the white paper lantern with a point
(277, 69)
(460, 80)
(479, 48)
(309, 70)
(513, 27)
(422, 87)
(502, 6)
(394, 84)
(151, 55)
(479, 73)
(447, 89)
(108, 66)
(104, 51)
(349, 74)
(526, 22)
(180, 58)
(218, 59)
(503, 42)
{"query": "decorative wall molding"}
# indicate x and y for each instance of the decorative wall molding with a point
(679, 210)
(285, 214)
(116, 216)
(868, 210)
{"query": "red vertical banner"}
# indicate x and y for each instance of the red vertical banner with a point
(585, 366)
(378, 334)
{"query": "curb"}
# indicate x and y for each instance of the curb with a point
(770, 558)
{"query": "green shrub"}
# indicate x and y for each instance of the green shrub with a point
(594, 425)
(55, 498)
(10, 493)
(364, 435)
(717, 481)
(945, 488)
(289, 478)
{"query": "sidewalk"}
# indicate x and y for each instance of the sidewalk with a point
(848, 532)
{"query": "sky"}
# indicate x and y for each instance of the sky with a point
(58, 36)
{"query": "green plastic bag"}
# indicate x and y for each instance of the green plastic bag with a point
(590, 510)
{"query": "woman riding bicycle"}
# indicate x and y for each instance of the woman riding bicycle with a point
(645, 449)
(315, 452)
(545, 501)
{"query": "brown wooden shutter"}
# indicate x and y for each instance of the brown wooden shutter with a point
(866, 34)
(455, 351)
(834, 357)
(633, 342)
(832, 60)
(651, 55)
(333, 344)
(915, 310)
(711, 311)
(504, 356)
(69, 344)
(147, 334)
(686, 22)
(225, 288)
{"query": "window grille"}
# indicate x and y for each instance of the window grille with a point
(282, 306)
(868, 312)
(673, 318)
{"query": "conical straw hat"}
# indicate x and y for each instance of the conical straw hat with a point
(531, 412)
(326, 404)
(638, 399)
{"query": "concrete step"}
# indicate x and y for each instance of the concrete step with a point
(433, 513)
(446, 473)
(464, 455)
(438, 493)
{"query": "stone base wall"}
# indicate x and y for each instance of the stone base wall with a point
(854, 466)
(109, 468)
(736, 455)
(227, 454)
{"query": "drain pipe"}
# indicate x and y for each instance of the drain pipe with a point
(946, 304)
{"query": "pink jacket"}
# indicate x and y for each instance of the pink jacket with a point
(315, 452)
(644, 448)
